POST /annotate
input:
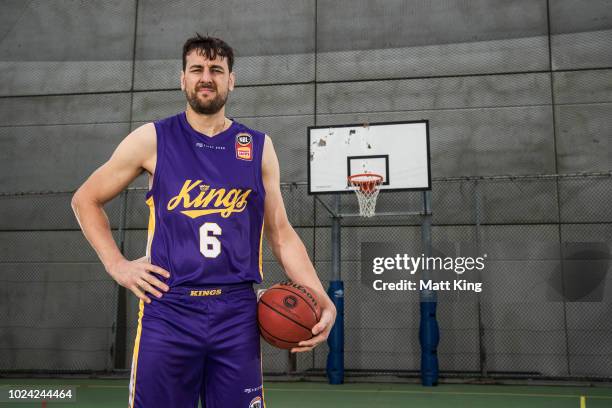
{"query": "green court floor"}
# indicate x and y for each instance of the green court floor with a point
(113, 393)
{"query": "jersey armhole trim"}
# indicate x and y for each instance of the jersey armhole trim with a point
(160, 147)
(259, 169)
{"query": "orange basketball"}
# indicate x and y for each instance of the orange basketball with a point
(286, 314)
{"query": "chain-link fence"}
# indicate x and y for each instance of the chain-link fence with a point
(544, 310)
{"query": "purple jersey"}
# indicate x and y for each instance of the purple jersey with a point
(207, 204)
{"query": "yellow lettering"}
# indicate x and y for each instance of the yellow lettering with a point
(183, 195)
(211, 195)
(207, 292)
(230, 198)
(242, 200)
(209, 200)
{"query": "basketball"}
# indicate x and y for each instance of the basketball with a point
(286, 314)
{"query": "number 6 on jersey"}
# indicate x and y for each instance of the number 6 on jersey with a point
(210, 246)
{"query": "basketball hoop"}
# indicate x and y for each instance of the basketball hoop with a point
(367, 187)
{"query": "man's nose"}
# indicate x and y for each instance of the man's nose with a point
(206, 76)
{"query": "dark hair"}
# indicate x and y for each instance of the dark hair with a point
(210, 47)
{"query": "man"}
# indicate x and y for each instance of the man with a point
(212, 184)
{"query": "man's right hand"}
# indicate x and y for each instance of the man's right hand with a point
(138, 277)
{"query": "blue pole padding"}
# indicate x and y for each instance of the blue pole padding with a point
(335, 358)
(429, 336)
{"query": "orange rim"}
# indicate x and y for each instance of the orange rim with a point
(367, 182)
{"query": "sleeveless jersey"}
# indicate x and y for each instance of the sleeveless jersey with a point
(206, 204)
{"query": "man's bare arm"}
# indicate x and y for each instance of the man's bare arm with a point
(134, 154)
(289, 249)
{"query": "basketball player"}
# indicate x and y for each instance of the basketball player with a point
(212, 184)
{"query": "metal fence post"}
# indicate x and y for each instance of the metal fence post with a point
(477, 220)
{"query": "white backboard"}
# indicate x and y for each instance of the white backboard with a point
(398, 151)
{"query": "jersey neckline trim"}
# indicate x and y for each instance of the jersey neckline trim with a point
(218, 136)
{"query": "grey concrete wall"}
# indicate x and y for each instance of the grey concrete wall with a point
(509, 87)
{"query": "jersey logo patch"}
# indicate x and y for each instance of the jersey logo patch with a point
(244, 146)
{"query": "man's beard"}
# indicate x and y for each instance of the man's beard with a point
(207, 107)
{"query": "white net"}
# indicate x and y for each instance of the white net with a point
(366, 186)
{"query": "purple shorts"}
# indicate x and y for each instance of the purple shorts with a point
(198, 343)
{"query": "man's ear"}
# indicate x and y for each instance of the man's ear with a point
(232, 80)
(182, 80)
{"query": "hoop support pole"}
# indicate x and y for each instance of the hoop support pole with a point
(429, 332)
(335, 341)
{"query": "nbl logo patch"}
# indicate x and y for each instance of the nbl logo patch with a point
(244, 146)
